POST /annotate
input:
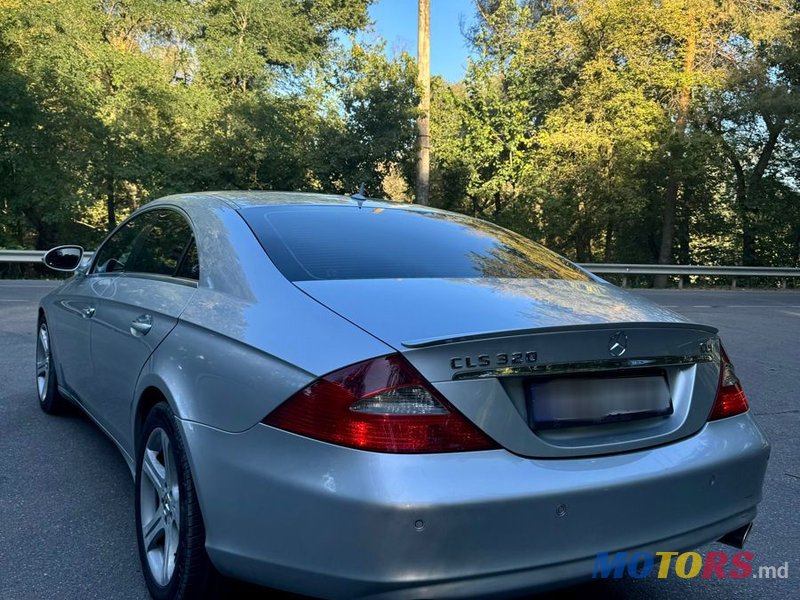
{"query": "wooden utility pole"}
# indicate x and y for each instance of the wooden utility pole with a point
(423, 121)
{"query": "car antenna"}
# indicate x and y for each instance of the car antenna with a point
(359, 195)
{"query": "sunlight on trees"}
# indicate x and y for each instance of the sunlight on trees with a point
(628, 130)
(610, 130)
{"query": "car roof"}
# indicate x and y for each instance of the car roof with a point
(248, 199)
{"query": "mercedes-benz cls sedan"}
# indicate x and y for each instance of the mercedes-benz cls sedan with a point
(348, 398)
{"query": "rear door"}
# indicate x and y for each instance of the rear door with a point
(140, 295)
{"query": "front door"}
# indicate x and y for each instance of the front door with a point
(70, 334)
(141, 293)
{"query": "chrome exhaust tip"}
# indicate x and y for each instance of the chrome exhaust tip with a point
(737, 537)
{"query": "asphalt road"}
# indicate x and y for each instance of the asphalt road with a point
(66, 498)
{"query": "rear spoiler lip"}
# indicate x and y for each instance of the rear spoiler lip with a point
(442, 341)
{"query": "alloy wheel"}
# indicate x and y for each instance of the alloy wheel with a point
(42, 362)
(160, 506)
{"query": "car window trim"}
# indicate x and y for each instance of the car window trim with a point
(152, 276)
(139, 244)
(184, 256)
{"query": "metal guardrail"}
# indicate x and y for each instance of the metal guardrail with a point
(692, 270)
(35, 256)
(723, 271)
(21, 256)
(26, 256)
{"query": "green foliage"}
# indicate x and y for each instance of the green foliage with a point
(582, 124)
(356, 145)
(574, 117)
(108, 104)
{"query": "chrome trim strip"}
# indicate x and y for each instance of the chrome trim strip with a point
(588, 366)
(153, 276)
(441, 341)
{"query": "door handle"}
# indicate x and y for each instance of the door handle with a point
(88, 312)
(141, 325)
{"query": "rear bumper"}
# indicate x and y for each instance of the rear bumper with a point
(296, 514)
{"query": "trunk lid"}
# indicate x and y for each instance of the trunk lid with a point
(409, 311)
(500, 348)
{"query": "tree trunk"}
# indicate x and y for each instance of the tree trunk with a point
(676, 157)
(747, 187)
(583, 249)
(609, 241)
(35, 222)
(749, 257)
(683, 225)
(741, 199)
(111, 205)
(423, 121)
(684, 228)
(44, 237)
(583, 240)
(751, 191)
(667, 226)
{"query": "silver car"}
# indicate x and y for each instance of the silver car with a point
(348, 398)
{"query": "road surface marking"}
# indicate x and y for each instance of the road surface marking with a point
(763, 306)
(731, 306)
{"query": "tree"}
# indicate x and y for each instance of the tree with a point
(620, 130)
(695, 39)
(749, 118)
(128, 99)
(370, 130)
(586, 123)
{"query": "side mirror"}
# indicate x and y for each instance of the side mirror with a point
(63, 258)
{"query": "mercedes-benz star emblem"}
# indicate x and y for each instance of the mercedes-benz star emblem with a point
(618, 344)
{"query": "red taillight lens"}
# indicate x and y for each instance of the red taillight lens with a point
(730, 398)
(383, 405)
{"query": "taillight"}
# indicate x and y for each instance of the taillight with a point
(383, 405)
(730, 398)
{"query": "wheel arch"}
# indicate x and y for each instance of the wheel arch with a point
(54, 350)
(151, 388)
(149, 397)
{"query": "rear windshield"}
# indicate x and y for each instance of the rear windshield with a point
(311, 242)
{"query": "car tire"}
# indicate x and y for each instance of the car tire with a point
(169, 526)
(50, 399)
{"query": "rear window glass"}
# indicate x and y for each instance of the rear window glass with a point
(347, 242)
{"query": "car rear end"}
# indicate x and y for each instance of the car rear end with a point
(486, 455)
(382, 511)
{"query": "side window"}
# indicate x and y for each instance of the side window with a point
(116, 252)
(161, 244)
(190, 265)
(157, 242)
